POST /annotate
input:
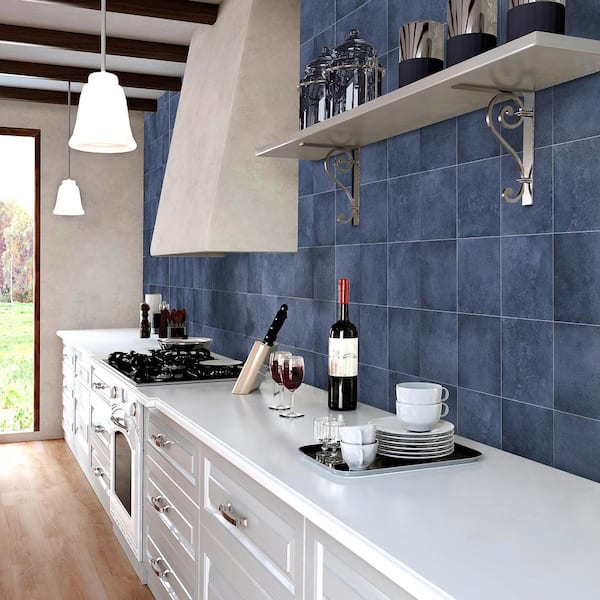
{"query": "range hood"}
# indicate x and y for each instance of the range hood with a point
(239, 92)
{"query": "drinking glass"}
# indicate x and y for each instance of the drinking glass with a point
(292, 375)
(321, 433)
(275, 362)
(332, 429)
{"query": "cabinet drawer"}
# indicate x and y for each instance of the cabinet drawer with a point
(173, 569)
(100, 470)
(104, 386)
(222, 577)
(269, 532)
(335, 573)
(174, 509)
(100, 423)
(178, 448)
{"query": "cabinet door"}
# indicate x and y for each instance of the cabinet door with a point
(335, 573)
(222, 577)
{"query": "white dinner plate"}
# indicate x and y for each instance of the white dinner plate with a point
(386, 437)
(411, 455)
(393, 426)
(433, 446)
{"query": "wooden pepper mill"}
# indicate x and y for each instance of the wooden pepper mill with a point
(144, 321)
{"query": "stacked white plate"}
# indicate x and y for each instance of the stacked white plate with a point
(395, 441)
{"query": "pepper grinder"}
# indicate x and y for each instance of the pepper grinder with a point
(144, 322)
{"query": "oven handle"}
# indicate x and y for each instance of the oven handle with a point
(120, 422)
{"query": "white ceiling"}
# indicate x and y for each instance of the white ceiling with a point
(37, 13)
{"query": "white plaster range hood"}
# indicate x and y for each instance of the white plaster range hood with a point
(239, 90)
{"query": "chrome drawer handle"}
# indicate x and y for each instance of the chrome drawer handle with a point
(98, 471)
(159, 504)
(231, 516)
(99, 429)
(155, 564)
(99, 386)
(160, 440)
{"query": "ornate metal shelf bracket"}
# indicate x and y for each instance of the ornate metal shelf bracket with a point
(347, 159)
(509, 118)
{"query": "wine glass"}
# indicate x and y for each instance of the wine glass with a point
(292, 375)
(320, 433)
(332, 433)
(275, 362)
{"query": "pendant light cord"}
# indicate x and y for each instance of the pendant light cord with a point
(69, 131)
(103, 37)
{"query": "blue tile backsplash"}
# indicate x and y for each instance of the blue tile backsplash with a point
(499, 302)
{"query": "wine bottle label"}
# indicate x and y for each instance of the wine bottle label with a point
(343, 357)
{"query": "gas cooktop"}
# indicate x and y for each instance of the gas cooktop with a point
(173, 366)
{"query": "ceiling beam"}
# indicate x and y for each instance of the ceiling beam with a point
(177, 10)
(80, 75)
(56, 97)
(83, 42)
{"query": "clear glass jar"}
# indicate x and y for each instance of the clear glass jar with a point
(314, 103)
(354, 76)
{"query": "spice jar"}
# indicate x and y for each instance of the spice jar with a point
(354, 76)
(314, 104)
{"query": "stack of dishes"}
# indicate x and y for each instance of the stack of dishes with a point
(395, 441)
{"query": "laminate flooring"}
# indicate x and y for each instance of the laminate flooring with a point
(56, 541)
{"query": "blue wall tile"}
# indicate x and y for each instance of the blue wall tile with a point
(527, 277)
(527, 361)
(527, 431)
(437, 251)
(575, 186)
(577, 277)
(479, 276)
(577, 445)
(479, 417)
(479, 198)
(438, 275)
(479, 353)
(577, 369)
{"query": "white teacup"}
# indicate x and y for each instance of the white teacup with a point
(418, 392)
(420, 417)
(358, 434)
(358, 456)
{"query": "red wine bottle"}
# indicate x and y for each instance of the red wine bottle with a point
(343, 355)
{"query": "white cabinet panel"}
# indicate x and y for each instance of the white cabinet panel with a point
(335, 573)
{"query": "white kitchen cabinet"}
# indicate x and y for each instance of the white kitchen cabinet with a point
(81, 397)
(68, 402)
(335, 573)
(171, 511)
(261, 535)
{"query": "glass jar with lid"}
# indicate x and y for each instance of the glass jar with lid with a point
(314, 103)
(354, 76)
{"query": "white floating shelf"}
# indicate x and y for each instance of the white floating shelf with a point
(529, 64)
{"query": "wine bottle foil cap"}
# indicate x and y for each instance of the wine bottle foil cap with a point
(343, 290)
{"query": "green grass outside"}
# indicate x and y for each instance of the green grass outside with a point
(16, 366)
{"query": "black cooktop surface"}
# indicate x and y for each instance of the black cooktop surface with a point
(173, 366)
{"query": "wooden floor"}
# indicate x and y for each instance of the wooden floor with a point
(56, 541)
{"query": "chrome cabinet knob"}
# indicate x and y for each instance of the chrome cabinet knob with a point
(160, 572)
(160, 440)
(160, 504)
(98, 471)
(99, 429)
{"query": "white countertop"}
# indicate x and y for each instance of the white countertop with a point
(503, 528)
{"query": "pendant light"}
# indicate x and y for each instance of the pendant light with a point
(68, 199)
(102, 123)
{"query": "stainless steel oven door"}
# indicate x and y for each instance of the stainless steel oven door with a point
(126, 465)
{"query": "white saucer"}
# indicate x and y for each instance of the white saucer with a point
(393, 426)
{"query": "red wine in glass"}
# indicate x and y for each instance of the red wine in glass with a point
(275, 365)
(292, 378)
(292, 375)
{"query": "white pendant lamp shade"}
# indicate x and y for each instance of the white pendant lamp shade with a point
(102, 123)
(68, 199)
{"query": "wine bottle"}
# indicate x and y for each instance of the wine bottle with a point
(343, 355)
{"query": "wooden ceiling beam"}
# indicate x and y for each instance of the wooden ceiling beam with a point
(57, 97)
(80, 75)
(176, 10)
(83, 42)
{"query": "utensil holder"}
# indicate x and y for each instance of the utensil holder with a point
(472, 29)
(255, 368)
(525, 16)
(421, 50)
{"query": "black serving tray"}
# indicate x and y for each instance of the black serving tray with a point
(383, 464)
